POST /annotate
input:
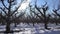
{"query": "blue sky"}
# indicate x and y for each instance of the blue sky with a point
(51, 3)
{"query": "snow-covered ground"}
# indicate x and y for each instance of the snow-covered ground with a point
(30, 29)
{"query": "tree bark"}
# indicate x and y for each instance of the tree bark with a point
(15, 24)
(45, 25)
(33, 24)
(7, 27)
(56, 23)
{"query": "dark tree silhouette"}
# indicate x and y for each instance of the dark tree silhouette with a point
(43, 17)
(32, 16)
(8, 13)
(56, 15)
(56, 12)
(55, 18)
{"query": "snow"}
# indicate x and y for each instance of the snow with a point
(36, 29)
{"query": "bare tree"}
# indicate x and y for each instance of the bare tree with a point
(8, 13)
(32, 17)
(42, 14)
(55, 18)
(17, 20)
(57, 13)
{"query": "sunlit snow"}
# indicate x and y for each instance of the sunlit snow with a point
(30, 29)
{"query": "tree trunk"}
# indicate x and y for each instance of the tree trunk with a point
(33, 24)
(56, 23)
(45, 25)
(15, 24)
(7, 27)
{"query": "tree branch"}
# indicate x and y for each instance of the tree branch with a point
(3, 10)
(4, 5)
(16, 9)
(55, 11)
(38, 10)
(20, 15)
